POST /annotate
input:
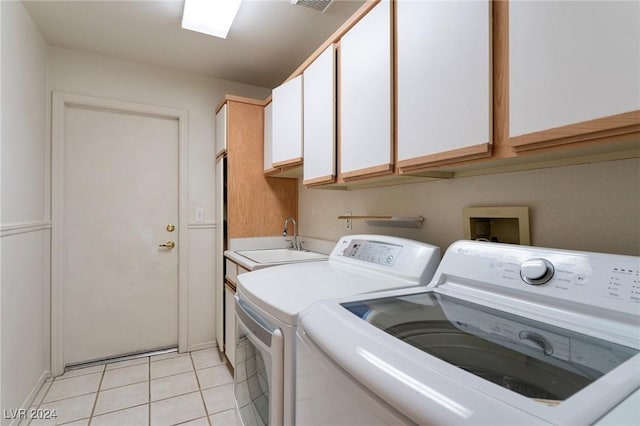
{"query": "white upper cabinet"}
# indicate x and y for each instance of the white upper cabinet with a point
(286, 144)
(573, 62)
(443, 81)
(268, 134)
(365, 96)
(320, 119)
(221, 131)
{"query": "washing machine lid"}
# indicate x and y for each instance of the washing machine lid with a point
(439, 359)
(357, 264)
(543, 362)
(284, 291)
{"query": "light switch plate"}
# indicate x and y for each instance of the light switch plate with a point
(348, 225)
(199, 215)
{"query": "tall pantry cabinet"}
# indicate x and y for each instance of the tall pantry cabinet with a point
(248, 204)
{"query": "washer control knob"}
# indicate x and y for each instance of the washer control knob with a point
(536, 271)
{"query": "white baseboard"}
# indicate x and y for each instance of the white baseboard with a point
(28, 401)
(201, 346)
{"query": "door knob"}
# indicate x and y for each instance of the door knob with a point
(168, 245)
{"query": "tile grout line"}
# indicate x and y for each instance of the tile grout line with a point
(95, 402)
(95, 372)
(113, 369)
(206, 410)
(138, 405)
(188, 421)
(114, 411)
(66, 397)
(140, 382)
(103, 373)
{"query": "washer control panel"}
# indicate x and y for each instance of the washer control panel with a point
(536, 271)
(373, 252)
(597, 279)
(409, 260)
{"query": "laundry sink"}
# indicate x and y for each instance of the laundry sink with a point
(281, 255)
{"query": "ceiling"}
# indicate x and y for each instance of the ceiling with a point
(268, 40)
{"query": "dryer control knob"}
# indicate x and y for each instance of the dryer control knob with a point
(536, 271)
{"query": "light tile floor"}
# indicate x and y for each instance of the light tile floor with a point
(187, 389)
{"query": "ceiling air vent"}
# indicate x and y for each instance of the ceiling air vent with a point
(318, 5)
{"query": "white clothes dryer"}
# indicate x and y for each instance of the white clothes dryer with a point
(268, 302)
(503, 334)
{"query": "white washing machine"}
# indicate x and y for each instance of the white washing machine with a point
(268, 302)
(502, 335)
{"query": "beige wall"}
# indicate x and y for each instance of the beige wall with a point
(30, 71)
(97, 75)
(24, 214)
(592, 207)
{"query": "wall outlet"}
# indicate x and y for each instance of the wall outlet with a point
(348, 225)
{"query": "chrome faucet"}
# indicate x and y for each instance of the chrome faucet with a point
(292, 244)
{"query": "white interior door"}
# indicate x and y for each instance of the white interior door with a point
(120, 193)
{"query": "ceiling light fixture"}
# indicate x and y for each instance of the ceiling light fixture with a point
(318, 5)
(213, 17)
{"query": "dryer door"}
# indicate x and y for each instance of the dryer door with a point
(259, 369)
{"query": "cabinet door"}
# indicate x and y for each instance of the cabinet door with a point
(573, 68)
(286, 145)
(443, 82)
(365, 67)
(221, 131)
(229, 326)
(319, 119)
(268, 134)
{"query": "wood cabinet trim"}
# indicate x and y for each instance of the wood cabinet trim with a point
(338, 159)
(230, 286)
(374, 171)
(599, 128)
(500, 79)
(394, 84)
(243, 100)
(393, 113)
(272, 171)
(294, 162)
(461, 154)
(319, 181)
